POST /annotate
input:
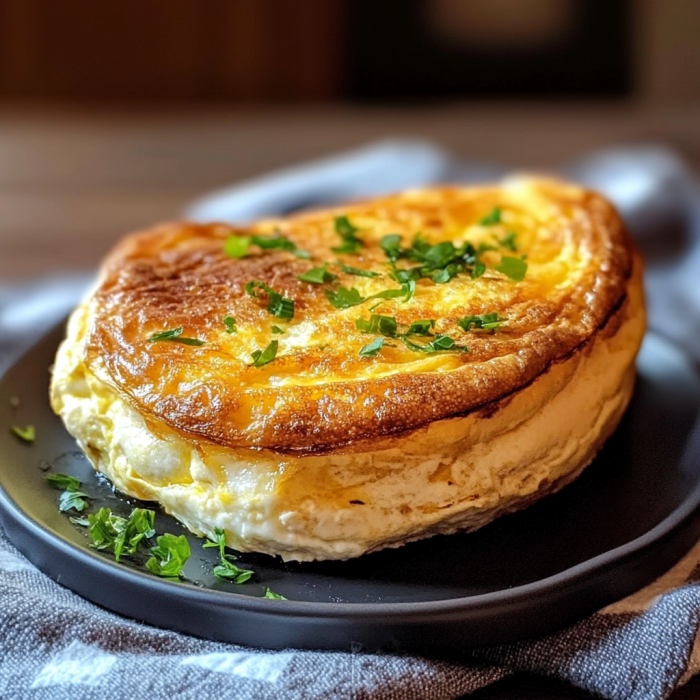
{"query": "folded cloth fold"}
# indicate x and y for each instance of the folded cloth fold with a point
(55, 645)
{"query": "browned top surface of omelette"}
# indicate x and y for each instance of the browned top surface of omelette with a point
(543, 265)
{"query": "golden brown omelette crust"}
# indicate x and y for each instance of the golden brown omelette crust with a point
(178, 275)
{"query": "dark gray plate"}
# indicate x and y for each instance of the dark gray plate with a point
(632, 514)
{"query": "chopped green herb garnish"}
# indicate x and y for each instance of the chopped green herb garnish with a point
(478, 269)
(72, 500)
(344, 298)
(275, 241)
(72, 497)
(273, 596)
(371, 349)
(347, 269)
(230, 572)
(515, 268)
(388, 327)
(421, 327)
(230, 323)
(377, 324)
(508, 241)
(219, 542)
(481, 321)
(318, 275)
(492, 218)
(277, 305)
(169, 556)
(346, 230)
(406, 291)
(445, 274)
(26, 434)
(303, 254)
(237, 246)
(440, 262)
(277, 330)
(225, 569)
(442, 343)
(63, 482)
(174, 335)
(122, 536)
(411, 274)
(264, 357)
(391, 245)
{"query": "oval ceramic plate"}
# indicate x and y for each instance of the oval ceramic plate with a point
(631, 515)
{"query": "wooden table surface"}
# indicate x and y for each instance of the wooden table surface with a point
(72, 182)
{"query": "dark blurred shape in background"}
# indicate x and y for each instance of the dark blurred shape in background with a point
(499, 48)
(149, 51)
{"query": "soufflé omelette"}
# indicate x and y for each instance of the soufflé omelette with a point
(340, 381)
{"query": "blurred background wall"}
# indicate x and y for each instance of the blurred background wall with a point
(227, 51)
(115, 114)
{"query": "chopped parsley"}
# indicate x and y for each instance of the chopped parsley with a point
(492, 218)
(277, 330)
(26, 434)
(377, 325)
(388, 327)
(421, 327)
(440, 262)
(273, 596)
(275, 241)
(349, 270)
(508, 241)
(63, 481)
(239, 246)
(514, 268)
(112, 533)
(391, 245)
(169, 556)
(174, 335)
(371, 349)
(264, 357)
(72, 497)
(226, 569)
(230, 323)
(344, 298)
(277, 305)
(481, 321)
(318, 275)
(72, 500)
(347, 231)
(442, 343)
